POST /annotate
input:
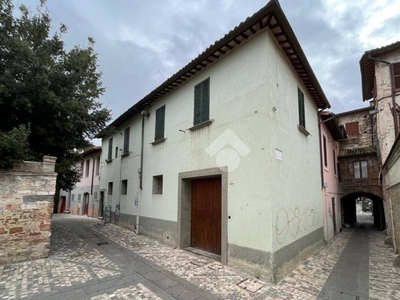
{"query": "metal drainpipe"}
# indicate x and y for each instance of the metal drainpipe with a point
(322, 174)
(140, 179)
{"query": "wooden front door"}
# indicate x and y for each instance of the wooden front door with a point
(206, 215)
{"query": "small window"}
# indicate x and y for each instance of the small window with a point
(116, 152)
(110, 147)
(158, 185)
(124, 187)
(202, 102)
(334, 161)
(98, 165)
(87, 168)
(160, 123)
(82, 168)
(302, 114)
(79, 197)
(352, 128)
(110, 188)
(361, 169)
(95, 195)
(325, 153)
(126, 140)
(73, 197)
(396, 76)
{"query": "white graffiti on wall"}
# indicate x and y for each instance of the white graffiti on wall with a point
(292, 221)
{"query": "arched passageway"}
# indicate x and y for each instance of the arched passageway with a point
(349, 210)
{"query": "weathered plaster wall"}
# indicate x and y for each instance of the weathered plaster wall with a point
(26, 205)
(253, 93)
(330, 191)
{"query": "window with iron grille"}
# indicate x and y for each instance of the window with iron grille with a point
(160, 123)
(126, 140)
(302, 114)
(202, 102)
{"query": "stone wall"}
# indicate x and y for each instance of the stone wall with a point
(26, 206)
(365, 136)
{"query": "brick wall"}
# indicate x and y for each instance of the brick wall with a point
(26, 205)
(349, 184)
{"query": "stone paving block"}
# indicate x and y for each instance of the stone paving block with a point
(165, 283)
(130, 279)
(182, 293)
(94, 288)
(154, 275)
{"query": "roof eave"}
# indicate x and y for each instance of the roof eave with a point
(252, 26)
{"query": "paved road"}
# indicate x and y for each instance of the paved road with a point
(92, 261)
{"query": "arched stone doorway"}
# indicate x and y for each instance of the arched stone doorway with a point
(349, 212)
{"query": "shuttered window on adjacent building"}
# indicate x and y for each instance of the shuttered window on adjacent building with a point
(352, 128)
(302, 115)
(110, 147)
(202, 102)
(127, 132)
(160, 123)
(396, 75)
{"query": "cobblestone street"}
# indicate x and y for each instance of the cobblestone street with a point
(92, 261)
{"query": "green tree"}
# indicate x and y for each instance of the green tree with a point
(50, 90)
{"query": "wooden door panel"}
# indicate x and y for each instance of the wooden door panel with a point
(206, 214)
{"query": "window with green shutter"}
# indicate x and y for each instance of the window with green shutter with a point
(202, 102)
(160, 123)
(302, 117)
(127, 132)
(110, 147)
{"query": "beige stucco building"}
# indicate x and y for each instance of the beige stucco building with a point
(85, 198)
(223, 156)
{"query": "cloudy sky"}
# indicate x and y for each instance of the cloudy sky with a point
(141, 42)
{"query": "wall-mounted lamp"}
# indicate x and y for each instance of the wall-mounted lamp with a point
(145, 113)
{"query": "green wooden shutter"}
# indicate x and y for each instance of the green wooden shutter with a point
(302, 119)
(160, 123)
(126, 139)
(197, 105)
(110, 147)
(205, 103)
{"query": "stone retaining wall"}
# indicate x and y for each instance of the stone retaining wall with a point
(26, 206)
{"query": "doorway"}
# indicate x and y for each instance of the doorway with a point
(86, 204)
(205, 231)
(202, 212)
(101, 204)
(62, 204)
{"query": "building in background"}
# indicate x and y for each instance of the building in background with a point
(331, 135)
(221, 158)
(85, 198)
